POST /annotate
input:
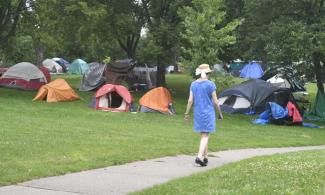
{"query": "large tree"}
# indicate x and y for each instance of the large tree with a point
(163, 26)
(206, 31)
(285, 31)
(10, 11)
(125, 21)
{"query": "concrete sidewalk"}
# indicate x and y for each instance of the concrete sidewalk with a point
(135, 176)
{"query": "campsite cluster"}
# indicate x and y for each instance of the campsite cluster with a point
(272, 93)
(276, 94)
(107, 80)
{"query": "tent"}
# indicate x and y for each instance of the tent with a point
(25, 76)
(63, 63)
(236, 67)
(252, 96)
(157, 100)
(142, 77)
(78, 67)
(52, 66)
(218, 68)
(56, 91)
(284, 76)
(2, 71)
(318, 110)
(117, 71)
(93, 77)
(252, 70)
(113, 98)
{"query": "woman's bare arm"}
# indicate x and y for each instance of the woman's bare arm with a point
(215, 101)
(189, 105)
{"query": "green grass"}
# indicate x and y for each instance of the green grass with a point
(292, 173)
(41, 139)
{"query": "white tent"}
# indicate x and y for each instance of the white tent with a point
(52, 66)
(26, 71)
(280, 82)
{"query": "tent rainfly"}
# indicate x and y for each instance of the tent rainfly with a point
(56, 91)
(157, 100)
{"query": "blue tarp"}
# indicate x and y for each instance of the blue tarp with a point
(252, 70)
(275, 111)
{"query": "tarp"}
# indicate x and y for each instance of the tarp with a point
(117, 71)
(78, 67)
(93, 77)
(279, 115)
(158, 99)
(252, 70)
(318, 110)
(56, 91)
(284, 76)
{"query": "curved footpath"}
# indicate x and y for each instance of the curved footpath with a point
(135, 176)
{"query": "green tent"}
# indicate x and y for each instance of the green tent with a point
(78, 67)
(318, 110)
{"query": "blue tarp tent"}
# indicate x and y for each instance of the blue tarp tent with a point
(252, 70)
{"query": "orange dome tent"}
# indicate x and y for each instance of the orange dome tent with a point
(56, 91)
(157, 100)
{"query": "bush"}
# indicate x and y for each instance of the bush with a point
(222, 80)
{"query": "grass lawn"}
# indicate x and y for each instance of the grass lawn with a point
(41, 139)
(291, 173)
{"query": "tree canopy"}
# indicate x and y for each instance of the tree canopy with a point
(160, 32)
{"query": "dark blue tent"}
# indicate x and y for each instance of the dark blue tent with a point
(252, 70)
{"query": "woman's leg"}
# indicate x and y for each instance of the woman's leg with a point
(203, 145)
(205, 154)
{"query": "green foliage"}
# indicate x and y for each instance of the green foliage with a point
(204, 32)
(107, 60)
(291, 31)
(222, 80)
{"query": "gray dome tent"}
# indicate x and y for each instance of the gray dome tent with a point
(252, 95)
(94, 77)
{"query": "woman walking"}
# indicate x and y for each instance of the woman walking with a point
(203, 95)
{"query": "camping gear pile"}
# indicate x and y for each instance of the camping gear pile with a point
(142, 78)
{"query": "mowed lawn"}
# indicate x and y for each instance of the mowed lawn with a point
(291, 173)
(39, 139)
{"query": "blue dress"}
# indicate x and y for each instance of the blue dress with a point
(204, 112)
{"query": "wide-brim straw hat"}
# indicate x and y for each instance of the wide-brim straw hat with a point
(203, 68)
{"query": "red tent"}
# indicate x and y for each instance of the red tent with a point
(26, 76)
(113, 98)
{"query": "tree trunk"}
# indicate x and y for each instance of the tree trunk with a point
(161, 71)
(39, 51)
(318, 71)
